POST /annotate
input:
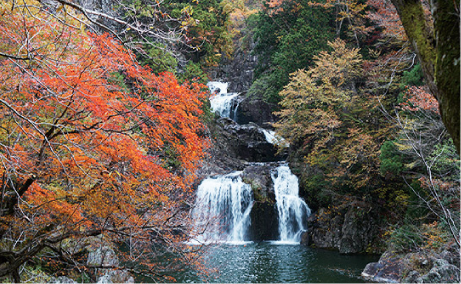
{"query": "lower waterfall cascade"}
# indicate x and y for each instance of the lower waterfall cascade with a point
(292, 210)
(223, 208)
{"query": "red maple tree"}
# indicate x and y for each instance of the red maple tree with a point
(91, 143)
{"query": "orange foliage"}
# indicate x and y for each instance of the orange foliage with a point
(418, 98)
(81, 152)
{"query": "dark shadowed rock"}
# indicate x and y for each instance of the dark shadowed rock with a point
(305, 239)
(357, 230)
(246, 142)
(264, 221)
(238, 69)
(254, 110)
(264, 216)
(349, 228)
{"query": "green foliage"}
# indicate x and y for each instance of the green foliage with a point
(325, 118)
(207, 30)
(159, 58)
(287, 39)
(311, 186)
(445, 161)
(314, 100)
(118, 79)
(410, 237)
(33, 274)
(193, 72)
(406, 238)
(414, 77)
(202, 27)
(391, 159)
(416, 211)
(84, 278)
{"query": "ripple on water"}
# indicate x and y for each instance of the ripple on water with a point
(274, 262)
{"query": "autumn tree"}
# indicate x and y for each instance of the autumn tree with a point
(319, 114)
(91, 144)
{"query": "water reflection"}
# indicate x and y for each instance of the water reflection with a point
(271, 263)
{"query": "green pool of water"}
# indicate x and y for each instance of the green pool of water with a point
(267, 262)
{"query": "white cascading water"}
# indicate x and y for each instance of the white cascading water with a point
(292, 210)
(220, 100)
(223, 207)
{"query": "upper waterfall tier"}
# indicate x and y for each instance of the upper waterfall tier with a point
(222, 102)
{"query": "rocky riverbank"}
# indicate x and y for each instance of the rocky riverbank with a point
(426, 266)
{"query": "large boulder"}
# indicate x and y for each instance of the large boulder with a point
(258, 175)
(357, 230)
(387, 270)
(442, 272)
(426, 266)
(103, 256)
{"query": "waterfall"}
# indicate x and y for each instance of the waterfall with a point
(221, 101)
(223, 208)
(224, 203)
(219, 87)
(292, 210)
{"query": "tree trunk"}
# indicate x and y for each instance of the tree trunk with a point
(439, 52)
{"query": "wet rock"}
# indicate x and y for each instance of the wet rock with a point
(258, 175)
(357, 230)
(388, 269)
(246, 142)
(264, 222)
(238, 69)
(254, 110)
(325, 230)
(305, 239)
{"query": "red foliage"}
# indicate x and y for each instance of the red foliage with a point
(418, 98)
(90, 141)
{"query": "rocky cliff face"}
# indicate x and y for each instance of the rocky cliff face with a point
(234, 146)
(238, 70)
(349, 228)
